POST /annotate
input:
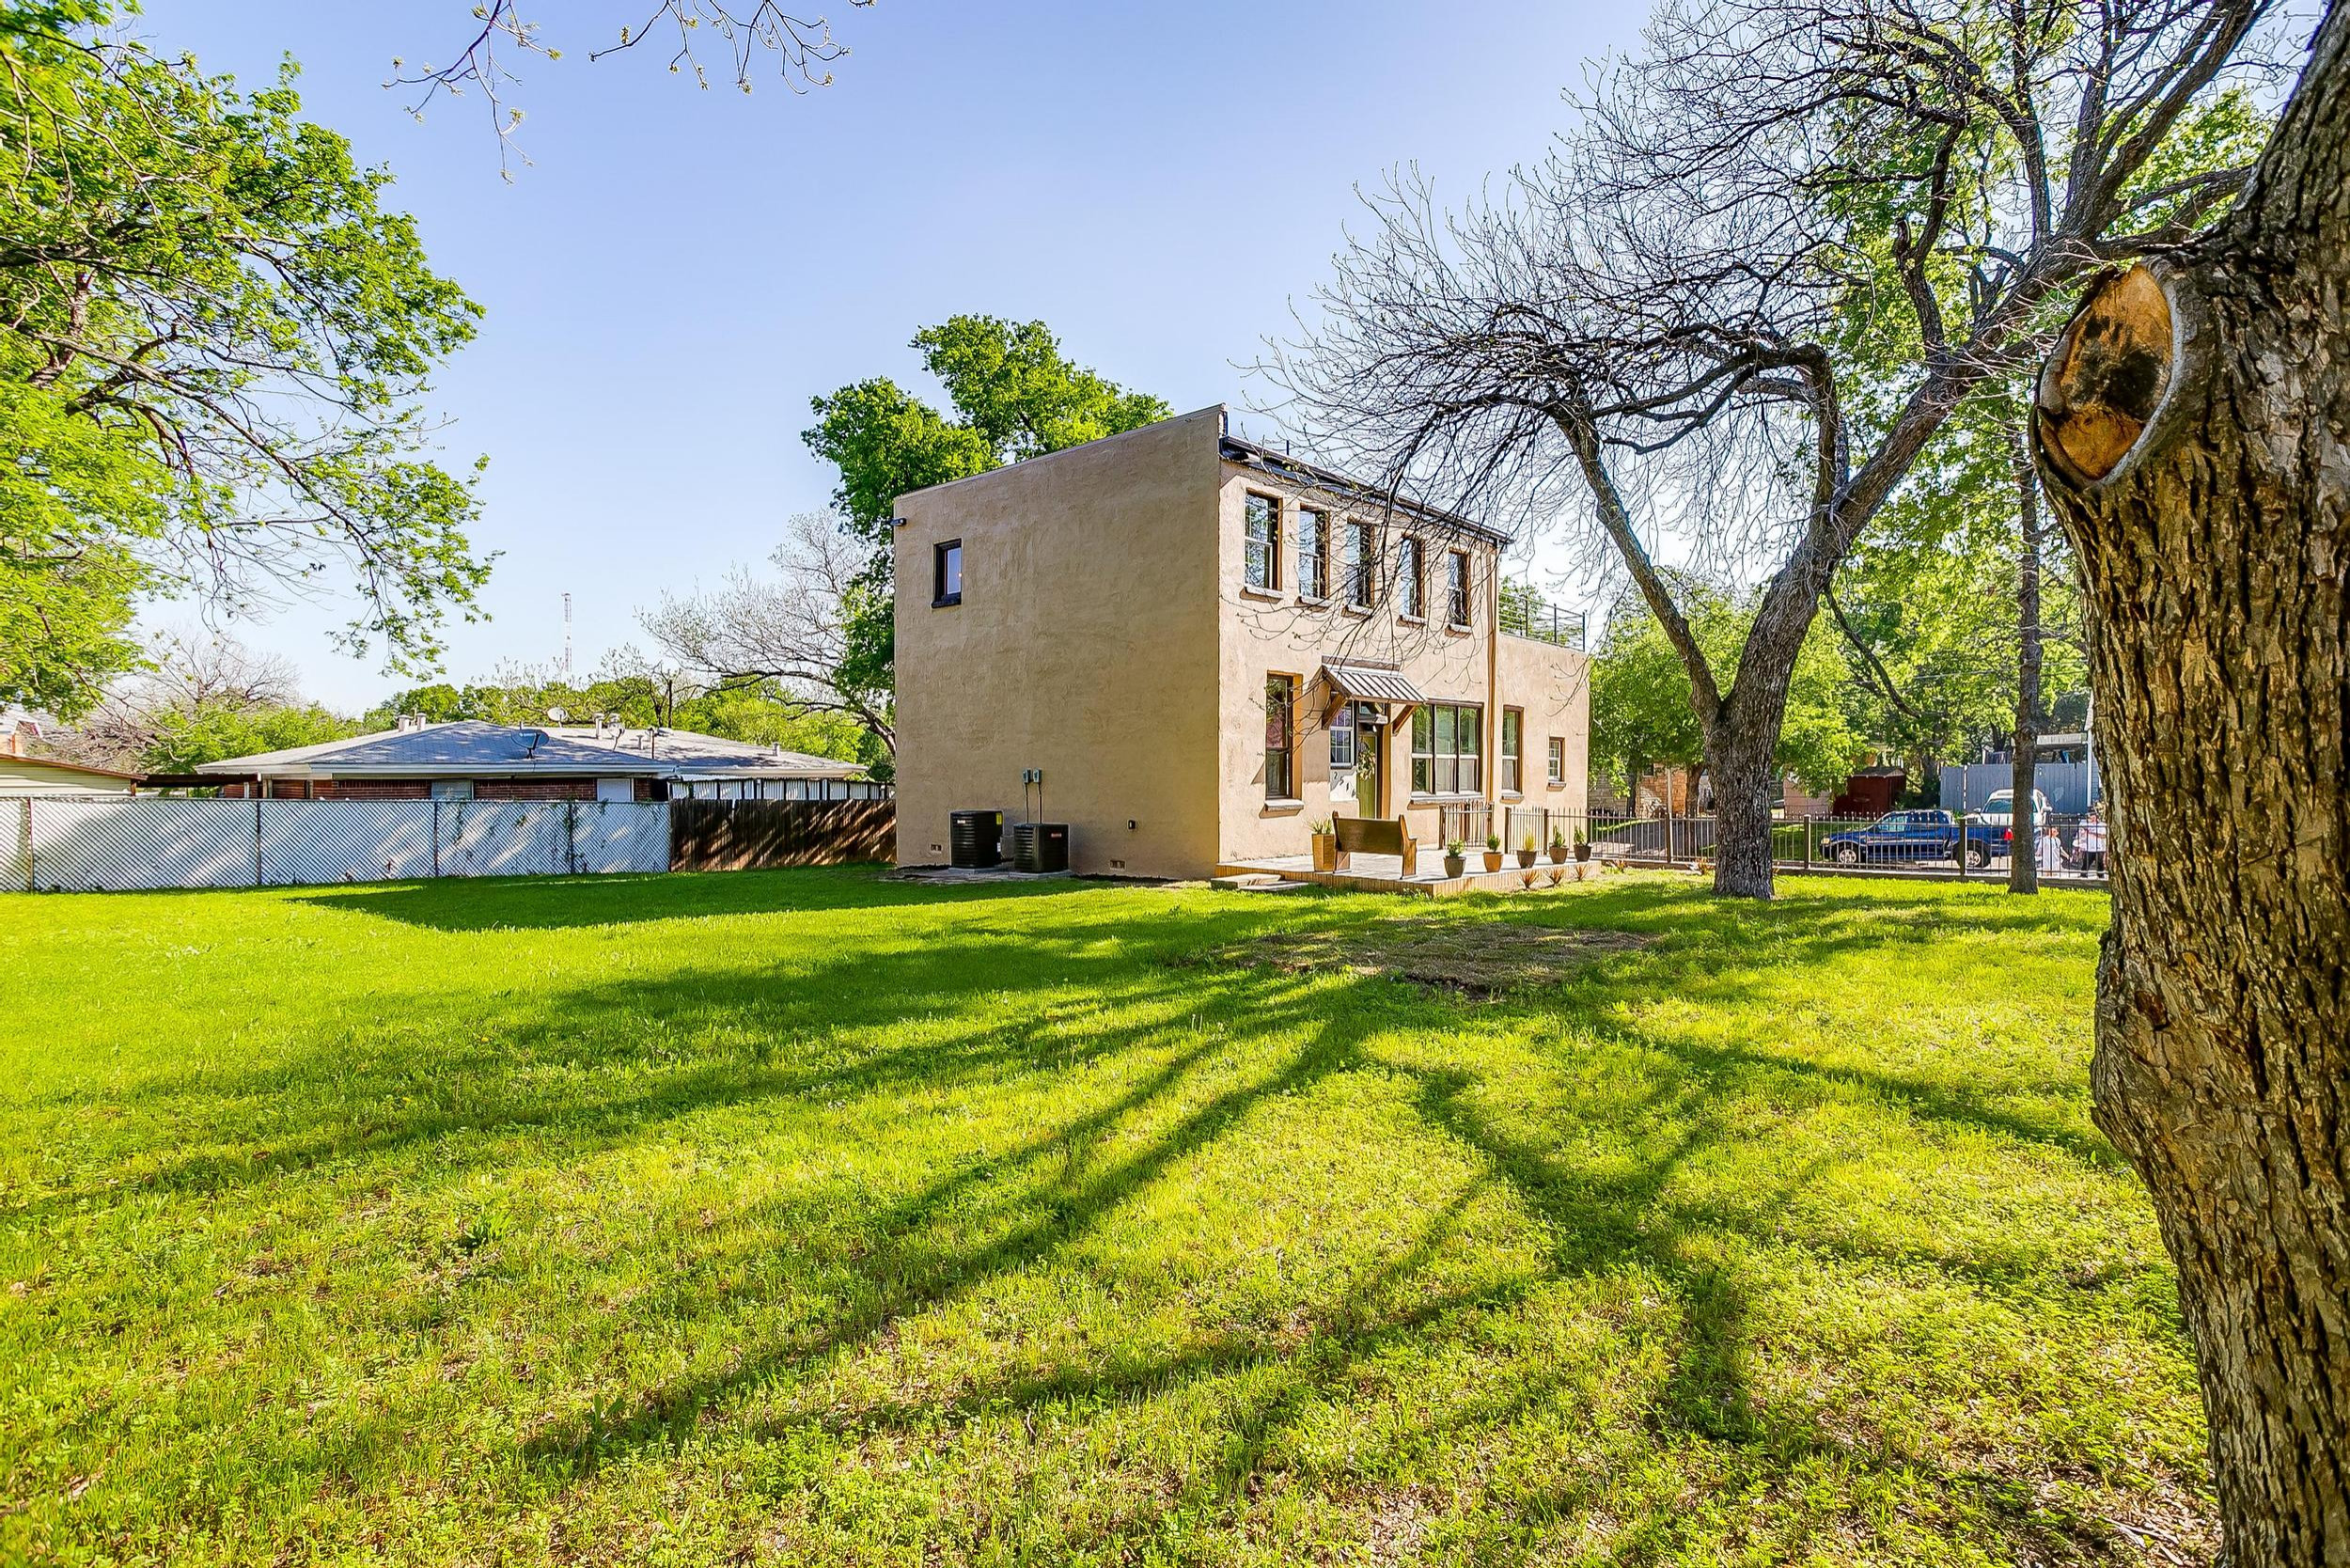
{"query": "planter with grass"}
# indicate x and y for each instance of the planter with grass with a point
(1324, 839)
(1582, 848)
(1456, 863)
(1494, 856)
(1558, 846)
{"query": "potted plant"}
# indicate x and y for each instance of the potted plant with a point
(1526, 852)
(1324, 840)
(1558, 846)
(1582, 847)
(1493, 851)
(1454, 861)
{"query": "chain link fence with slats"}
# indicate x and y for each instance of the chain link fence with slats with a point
(118, 844)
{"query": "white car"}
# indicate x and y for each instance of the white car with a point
(2000, 811)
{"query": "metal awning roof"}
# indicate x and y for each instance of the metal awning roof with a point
(1369, 682)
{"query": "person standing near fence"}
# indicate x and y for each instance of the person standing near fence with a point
(2048, 847)
(2091, 841)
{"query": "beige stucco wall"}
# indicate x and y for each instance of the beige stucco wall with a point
(1085, 645)
(1262, 635)
(1553, 686)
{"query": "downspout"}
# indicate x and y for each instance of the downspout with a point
(1493, 702)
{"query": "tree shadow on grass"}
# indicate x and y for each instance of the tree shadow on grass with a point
(825, 1028)
(565, 902)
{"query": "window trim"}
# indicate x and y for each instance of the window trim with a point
(1360, 591)
(1441, 778)
(1287, 752)
(1411, 561)
(1270, 582)
(1313, 588)
(940, 598)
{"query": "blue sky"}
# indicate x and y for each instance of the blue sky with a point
(676, 271)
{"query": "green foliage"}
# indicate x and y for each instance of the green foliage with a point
(214, 342)
(1015, 395)
(1642, 712)
(806, 1217)
(77, 509)
(210, 731)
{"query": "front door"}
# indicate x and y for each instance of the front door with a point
(1370, 750)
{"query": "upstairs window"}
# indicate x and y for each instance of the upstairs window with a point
(1264, 546)
(1457, 588)
(1411, 585)
(1557, 759)
(1280, 737)
(1361, 563)
(947, 573)
(1314, 555)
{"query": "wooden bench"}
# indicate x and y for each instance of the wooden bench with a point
(1376, 836)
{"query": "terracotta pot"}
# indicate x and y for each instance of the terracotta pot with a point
(1582, 852)
(1525, 858)
(1325, 851)
(1454, 865)
(1557, 855)
(1493, 859)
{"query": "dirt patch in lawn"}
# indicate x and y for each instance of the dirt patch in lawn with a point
(1476, 958)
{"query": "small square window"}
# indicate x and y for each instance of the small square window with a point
(947, 573)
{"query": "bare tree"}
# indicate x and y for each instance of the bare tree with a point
(2194, 438)
(791, 629)
(193, 671)
(1745, 294)
(745, 32)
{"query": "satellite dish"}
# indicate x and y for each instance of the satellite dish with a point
(557, 715)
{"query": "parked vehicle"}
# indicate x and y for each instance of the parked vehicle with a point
(1900, 837)
(1999, 810)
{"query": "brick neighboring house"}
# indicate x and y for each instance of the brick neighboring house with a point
(1205, 645)
(465, 760)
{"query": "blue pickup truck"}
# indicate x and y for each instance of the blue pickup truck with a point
(1900, 837)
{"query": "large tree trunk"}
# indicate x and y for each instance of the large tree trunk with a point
(1738, 753)
(2194, 436)
(2023, 861)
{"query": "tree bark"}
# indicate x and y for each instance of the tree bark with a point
(2194, 438)
(1738, 753)
(2023, 860)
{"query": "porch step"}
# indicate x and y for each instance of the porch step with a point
(1258, 882)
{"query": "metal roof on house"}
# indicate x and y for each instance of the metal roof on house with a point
(696, 756)
(1369, 682)
(460, 748)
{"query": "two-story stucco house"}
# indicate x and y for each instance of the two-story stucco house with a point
(1203, 646)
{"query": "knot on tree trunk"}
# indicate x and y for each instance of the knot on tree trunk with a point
(2101, 388)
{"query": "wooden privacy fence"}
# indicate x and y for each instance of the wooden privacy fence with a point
(748, 835)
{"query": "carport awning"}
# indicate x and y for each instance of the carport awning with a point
(1369, 684)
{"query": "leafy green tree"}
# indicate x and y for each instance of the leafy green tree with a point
(214, 343)
(1015, 395)
(1644, 714)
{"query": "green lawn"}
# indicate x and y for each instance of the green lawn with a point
(802, 1217)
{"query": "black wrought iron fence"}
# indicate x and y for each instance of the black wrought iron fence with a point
(2067, 846)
